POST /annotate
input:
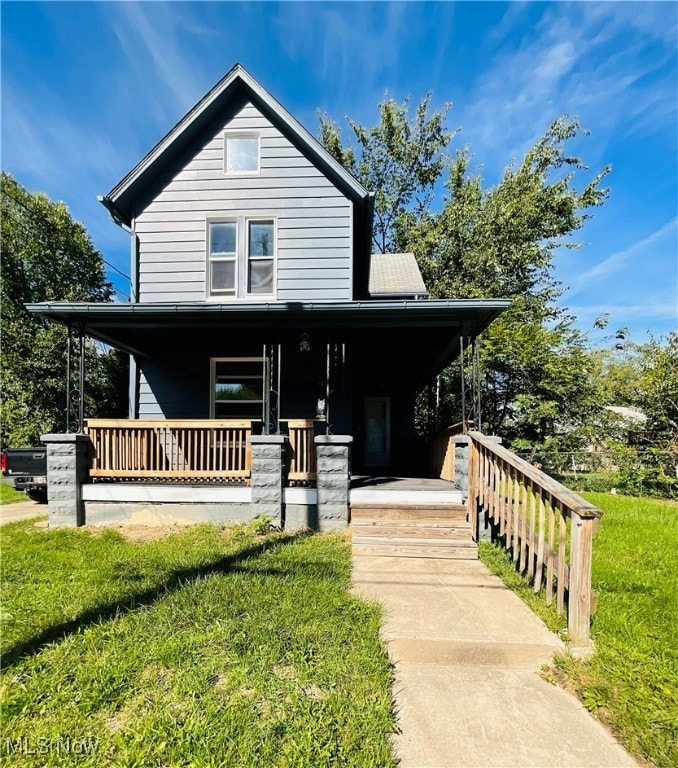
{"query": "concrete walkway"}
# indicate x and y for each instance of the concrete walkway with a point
(22, 510)
(467, 654)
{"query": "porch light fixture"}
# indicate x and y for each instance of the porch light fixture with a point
(304, 343)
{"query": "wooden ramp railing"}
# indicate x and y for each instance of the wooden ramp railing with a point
(547, 528)
(301, 459)
(442, 452)
(181, 449)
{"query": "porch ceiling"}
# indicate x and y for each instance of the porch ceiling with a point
(427, 331)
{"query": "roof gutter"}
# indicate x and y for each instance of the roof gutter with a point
(207, 308)
(405, 296)
(116, 214)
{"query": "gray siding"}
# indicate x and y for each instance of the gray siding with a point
(314, 220)
(173, 391)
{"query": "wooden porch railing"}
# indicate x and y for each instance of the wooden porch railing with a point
(547, 528)
(182, 449)
(301, 464)
(442, 451)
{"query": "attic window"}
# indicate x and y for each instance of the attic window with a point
(241, 152)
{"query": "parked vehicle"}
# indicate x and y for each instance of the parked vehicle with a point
(28, 468)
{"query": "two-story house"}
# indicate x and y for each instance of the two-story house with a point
(256, 299)
(267, 343)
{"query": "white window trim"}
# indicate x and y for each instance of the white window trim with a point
(274, 257)
(221, 293)
(241, 293)
(244, 134)
(263, 361)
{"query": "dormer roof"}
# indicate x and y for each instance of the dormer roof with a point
(395, 275)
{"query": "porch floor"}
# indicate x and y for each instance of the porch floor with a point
(386, 491)
(385, 482)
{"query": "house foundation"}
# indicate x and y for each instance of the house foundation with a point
(75, 500)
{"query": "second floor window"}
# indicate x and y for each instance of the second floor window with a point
(241, 257)
(222, 250)
(241, 153)
(260, 257)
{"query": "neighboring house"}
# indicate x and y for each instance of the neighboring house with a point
(255, 295)
(629, 418)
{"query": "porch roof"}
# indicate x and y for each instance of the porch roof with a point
(429, 330)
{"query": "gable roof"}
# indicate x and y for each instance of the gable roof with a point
(120, 200)
(395, 274)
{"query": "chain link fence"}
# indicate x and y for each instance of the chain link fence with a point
(636, 472)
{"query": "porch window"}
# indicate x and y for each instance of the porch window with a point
(238, 387)
(241, 153)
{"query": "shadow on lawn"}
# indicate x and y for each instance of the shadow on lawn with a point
(131, 602)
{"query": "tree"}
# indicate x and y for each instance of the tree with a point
(46, 256)
(644, 377)
(400, 160)
(501, 241)
(536, 374)
(496, 242)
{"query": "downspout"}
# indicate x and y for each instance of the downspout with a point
(133, 396)
(118, 217)
(463, 386)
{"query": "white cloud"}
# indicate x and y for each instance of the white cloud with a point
(616, 261)
(589, 59)
(153, 38)
(359, 45)
(42, 143)
(661, 310)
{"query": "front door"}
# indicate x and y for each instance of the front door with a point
(377, 431)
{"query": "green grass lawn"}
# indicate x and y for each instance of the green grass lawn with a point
(207, 648)
(631, 682)
(10, 495)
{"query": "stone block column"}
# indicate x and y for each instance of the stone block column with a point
(333, 467)
(267, 480)
(68, 458)
(461, 457)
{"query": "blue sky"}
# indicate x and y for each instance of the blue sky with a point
(88, 88)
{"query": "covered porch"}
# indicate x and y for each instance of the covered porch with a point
(346, 368)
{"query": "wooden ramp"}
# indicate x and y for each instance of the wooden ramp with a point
(412, 530)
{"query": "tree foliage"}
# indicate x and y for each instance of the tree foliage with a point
(490, 242)
(643, 377)
(501, 241)
(46, 256)
(399, 160)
